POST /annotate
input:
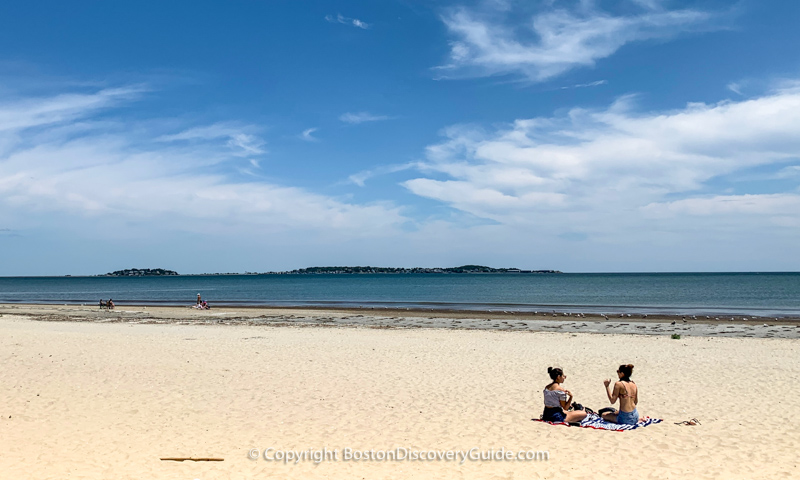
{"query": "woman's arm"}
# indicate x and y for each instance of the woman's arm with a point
(565, 404)
(612, 395)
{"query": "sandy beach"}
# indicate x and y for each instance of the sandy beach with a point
(101, 395)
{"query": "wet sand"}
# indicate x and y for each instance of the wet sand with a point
(755, 327)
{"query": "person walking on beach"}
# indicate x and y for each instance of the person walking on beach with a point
(557, 400)
(628, 394)
(199, 300)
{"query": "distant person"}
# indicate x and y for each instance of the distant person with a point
(205, 305)
(199, 300)
(110, 304)
(103, 304)
(558, 400)
(628, 394)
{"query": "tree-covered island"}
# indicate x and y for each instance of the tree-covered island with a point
(368, 269)
(141, 272)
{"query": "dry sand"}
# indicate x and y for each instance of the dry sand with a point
(108, 400)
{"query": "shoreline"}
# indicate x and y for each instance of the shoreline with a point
(709, 314)
(740, 327)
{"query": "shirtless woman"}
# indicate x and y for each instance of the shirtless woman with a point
(628, 394)
(557, 400)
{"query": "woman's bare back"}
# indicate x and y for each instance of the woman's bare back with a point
(628, 394)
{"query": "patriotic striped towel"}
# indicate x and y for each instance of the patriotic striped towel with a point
(596, 422)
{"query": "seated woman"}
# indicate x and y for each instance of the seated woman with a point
(628, 394)
(557, 400)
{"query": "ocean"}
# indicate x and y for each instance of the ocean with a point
(757, 294)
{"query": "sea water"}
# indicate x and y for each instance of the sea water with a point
(762, 294)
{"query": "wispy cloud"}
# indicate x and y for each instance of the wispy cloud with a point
(586, 85)
(788, 172)
(27, 113)
(171, 182)
(735, 88)
(781, 204)
(498, 41)
(616, 168)
(307, 135)
(362, 117)
(240, 143)
(339, 18)
(360, 178)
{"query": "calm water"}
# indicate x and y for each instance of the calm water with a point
(693, 293)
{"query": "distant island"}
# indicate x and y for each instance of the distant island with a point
(357, 270)
(141, 272)
(157, 272)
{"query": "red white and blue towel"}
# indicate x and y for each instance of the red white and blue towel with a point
(596, 422)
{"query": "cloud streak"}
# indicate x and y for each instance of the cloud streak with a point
(360, 178)
(240, 143)
(308, 136)
(355, 118)
(548, 43)
(339, 18)
(587, 85)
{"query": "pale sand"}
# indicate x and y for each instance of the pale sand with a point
(101, 401)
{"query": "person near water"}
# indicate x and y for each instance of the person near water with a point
(558, 400)
(627, 392)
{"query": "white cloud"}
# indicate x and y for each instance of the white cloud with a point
(360, 178)
(173, 182)
(735, 88)
(780, 204)
(586, 85)
(617, 168)
(362, 117)
(788, 172)
(241, 143)
(308, 136)
(555, 40)
(27, 113)
(339, 18)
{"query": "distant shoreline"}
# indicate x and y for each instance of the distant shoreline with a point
(547, 312)
(521, 322)
(255, 274)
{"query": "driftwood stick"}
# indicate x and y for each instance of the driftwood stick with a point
(202, 459)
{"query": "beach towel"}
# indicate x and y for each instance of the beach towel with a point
(596, 422)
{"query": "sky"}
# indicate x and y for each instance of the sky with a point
(269, 135)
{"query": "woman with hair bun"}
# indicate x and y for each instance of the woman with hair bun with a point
(557, 400)
(628, 394)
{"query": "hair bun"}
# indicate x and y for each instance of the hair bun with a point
(549, 370)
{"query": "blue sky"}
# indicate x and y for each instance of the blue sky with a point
(638, 135)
